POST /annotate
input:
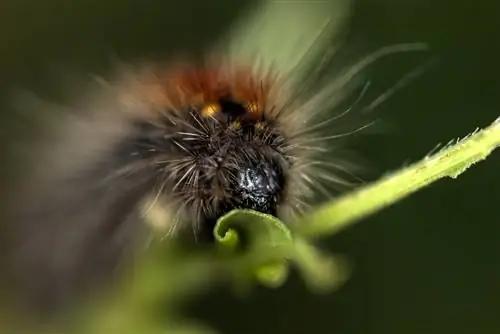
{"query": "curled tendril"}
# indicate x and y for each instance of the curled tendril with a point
(260, 247)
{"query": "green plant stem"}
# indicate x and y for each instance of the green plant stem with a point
(451, 161)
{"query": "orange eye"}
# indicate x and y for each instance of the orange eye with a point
(210, 110)
(252, 107)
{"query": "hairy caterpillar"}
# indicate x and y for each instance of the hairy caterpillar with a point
(185, 141)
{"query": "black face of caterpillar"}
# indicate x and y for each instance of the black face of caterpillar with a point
(210, 163)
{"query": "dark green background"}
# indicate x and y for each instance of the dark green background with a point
(429, 264)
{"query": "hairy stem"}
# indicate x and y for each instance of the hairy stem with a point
(450, 161)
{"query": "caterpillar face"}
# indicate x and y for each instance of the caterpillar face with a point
(216, 144)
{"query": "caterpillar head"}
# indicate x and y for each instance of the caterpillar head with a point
(218, 144)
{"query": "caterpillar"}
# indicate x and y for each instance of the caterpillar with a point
(176, 145)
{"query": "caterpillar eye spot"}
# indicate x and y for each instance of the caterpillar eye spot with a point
(210, 110)
(252, 108)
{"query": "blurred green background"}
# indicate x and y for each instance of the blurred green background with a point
(429, 264)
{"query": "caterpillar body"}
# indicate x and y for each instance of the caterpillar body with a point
(176, 145)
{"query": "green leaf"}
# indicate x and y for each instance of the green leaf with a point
(268, 250)
(257, 245)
